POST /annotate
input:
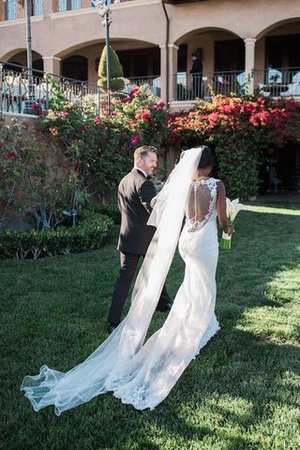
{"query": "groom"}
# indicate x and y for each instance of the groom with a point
(135, 193)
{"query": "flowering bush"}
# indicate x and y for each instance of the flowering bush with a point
(36, 178)
(11, 167)
(93, 145)
(143, 117)
(239, 129)
(102, 148)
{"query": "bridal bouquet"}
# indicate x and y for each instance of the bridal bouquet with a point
(232, 208)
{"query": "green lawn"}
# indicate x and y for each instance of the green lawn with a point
(242, 392)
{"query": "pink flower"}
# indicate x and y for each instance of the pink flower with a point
(135, 140)
(35, 105)
(212, 118)
(43, 114)
(97, 120)
(11, 154)
(64, 114)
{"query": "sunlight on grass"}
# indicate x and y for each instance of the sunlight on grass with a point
(272, 210)
(280, 321)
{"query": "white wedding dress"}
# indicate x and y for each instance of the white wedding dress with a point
(142, 374)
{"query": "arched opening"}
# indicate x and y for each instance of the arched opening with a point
(142, 62)
(75, 67)
(19, 60)
(210, 60)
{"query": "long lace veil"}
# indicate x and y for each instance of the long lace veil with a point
(113, 362)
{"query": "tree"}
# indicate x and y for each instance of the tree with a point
(116, 71)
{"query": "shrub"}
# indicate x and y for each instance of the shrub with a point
(109, 209)
(239, 129)
(116, 71)
(11, 166)
(88, 235)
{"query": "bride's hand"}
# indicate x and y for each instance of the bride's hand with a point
(230, 230)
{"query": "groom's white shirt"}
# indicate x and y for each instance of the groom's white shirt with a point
(141, 170)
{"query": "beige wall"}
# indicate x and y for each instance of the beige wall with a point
(57, 33)
(141, 23)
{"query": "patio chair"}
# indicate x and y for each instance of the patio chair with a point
(274, 180)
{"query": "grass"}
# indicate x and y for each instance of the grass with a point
(242, 392)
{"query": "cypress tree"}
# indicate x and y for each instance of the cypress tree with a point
(116, 71)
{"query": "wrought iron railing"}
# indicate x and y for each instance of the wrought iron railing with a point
(193, 86)
(270, 82)
(22, 93)
(152, 82)
(278, 82)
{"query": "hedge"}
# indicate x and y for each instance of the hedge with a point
(89, 234)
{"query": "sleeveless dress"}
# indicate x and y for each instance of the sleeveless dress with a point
(143, 375)
(191, 321)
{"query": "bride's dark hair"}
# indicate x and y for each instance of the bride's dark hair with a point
(207, 158)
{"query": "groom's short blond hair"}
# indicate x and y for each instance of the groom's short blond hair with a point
(144, 150)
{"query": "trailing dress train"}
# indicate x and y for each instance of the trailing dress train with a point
(142, 374)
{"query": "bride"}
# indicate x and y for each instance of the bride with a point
(142, 374)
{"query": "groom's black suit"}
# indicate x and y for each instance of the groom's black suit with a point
(135, 193)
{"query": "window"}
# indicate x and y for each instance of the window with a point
(68, 5)
(10, 12)
(37, 8)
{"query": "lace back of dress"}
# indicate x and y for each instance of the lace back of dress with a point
(201, 204)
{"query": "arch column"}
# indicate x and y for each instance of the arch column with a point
(52, 65)
(48, 8)
(173, 65)
(249, 64)
(163, 73)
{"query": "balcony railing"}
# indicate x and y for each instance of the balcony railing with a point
(279, 82)
(269, 82)
(21, 93)
(153, 83)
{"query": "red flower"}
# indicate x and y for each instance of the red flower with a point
(97, 120)
(146, 115)
(135, 140)
(11, 154)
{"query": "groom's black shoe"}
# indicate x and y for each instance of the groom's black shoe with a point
(164, 308)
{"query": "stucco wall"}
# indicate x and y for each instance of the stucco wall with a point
(58, 33)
